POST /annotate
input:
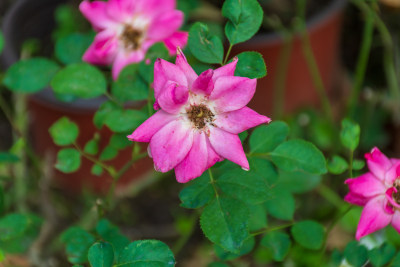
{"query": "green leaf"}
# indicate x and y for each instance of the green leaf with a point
(277, 243)
(121, 121)
(297, 182)
(251, 65)
(6, 157)
(281, 205)
(382, 255)
(246, 248)
(396, 261)
(64, 132)
(146, 253)
(120, 141)
(112, 234)
(198, 192)
(2, 200)
(30, 75)
(350, 134)
(258, 217)
(104, 110)
(130, 86)
(158, 50)
(13, 226)
(337, 165)
(309, 234)
(77, 243)
(264, 169)
(244, 185)
(101, 254)
(70, 49)
(91, 147)
(108, 153)
(96, 170)
(355, 254)
(68, 160)
(205, 47)
(225, 222)
(218, 264)
(266, 138)
(358, 164)
(299, 155)
(245, 17)
(81, 80)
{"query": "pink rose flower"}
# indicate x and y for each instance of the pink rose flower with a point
(200, 118)
(128, 28)
(379, 192)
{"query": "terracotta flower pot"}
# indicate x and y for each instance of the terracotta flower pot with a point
(324, 32)
(34, 19)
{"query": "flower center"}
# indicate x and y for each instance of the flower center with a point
(200, 115)
(131, 37)
(396, 196)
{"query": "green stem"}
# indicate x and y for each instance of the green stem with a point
(362, 61)
(111, 171)
(351, 163)
(271, 229)
(330, 195)
(212, 181)
(227, 54)
(185, 237)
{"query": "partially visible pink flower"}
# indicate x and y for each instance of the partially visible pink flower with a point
(128, 28)
(199, 119)
(379, 192)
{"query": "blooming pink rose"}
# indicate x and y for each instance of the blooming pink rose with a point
(379, 192)
(128, 28)
(200, 118)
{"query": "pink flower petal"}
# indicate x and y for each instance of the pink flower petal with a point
(396, 220)
(170, 145)
(226, 70)
(173, 97)
(177, 39)
(366, 185)
(96, 13)
(154, 7)
(123, 59)
(165, 71)
(184, 66)
(228, 146)
(392, 174)
(165, 25)
(373, 217)
(103, 49)
(232, 93)
(145, 132)
(378, 163)
(239, 120)
(204, 83)
(120, 10)
(356, 199)
(213, 157)
(195, 162)
(389, 197)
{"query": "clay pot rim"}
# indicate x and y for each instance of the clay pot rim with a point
(313, 23)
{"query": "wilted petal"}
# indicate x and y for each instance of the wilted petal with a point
(378, 163)
(145, 132)
(204, 83)
(173, 97)
(196, 160)
(228, 146)
(165, 71)
(184, 66)
(373, 217)
(366, 185)
(226, 70)
(232, 93)
(96, 13)
(177, 39)
(356, 199)
(239, 120)
(165, 25)
(170, 145)
(103, 49)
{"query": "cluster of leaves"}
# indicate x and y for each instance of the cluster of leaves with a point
(107, 247)
(236, 204)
